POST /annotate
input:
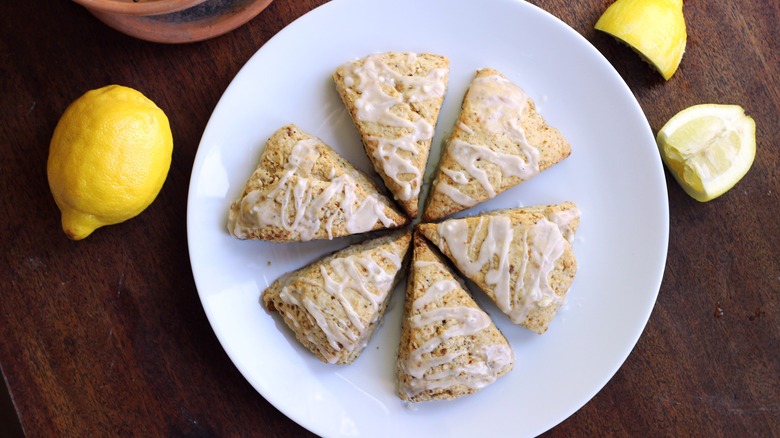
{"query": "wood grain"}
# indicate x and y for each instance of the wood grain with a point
(107, 337)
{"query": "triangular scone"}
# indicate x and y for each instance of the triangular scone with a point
(302, 190)
(449, 346)
(498, 141)
(394, 99)
(521, 258)
(334, 304)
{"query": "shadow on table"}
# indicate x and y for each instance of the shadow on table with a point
(9, 422)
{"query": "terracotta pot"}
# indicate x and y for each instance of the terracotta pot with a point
(174, 21)
(138, 7)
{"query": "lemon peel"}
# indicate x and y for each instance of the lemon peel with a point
(108, 158)
(708, 148)
(655, 29)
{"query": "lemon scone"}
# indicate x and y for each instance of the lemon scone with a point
(334, 304)
(498, 141)
(521, 258)
(394, 99)
(302, 190)
(449, 346)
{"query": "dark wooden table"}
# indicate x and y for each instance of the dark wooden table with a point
(107, 336)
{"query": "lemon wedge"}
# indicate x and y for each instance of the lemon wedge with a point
(708, 148)
(653, 28)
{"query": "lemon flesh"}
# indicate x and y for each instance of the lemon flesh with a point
(708, 148)
(653, 28)
(108, 158)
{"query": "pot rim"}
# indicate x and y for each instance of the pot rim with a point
(130, 7)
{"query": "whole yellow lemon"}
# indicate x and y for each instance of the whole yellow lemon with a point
(108, 158)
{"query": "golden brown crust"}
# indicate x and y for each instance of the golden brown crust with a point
(406, 64)
(270, 173)
(288, 295)
(552, 147)
(428, 269)
(521, 220)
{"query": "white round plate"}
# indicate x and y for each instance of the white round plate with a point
(614, 175)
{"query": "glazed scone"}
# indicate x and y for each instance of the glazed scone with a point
(394, 99)
(449, 346)
(334, 304)
(302, 190)
(498, 141)
(521, 258)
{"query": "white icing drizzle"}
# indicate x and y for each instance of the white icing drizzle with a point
(329, 226)
(434, 292)
(375, 105)
(295, 189)
(393, 257)
(538, 248)
(563, 220)
(499, 105)
(395, 165)
(496, 242)
(468, 321)
(465, 128)
(363, 276)
(456, 175)
(543, 244)
(456, 195)
(469, 156)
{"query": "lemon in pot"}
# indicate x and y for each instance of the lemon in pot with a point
(108, 158)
